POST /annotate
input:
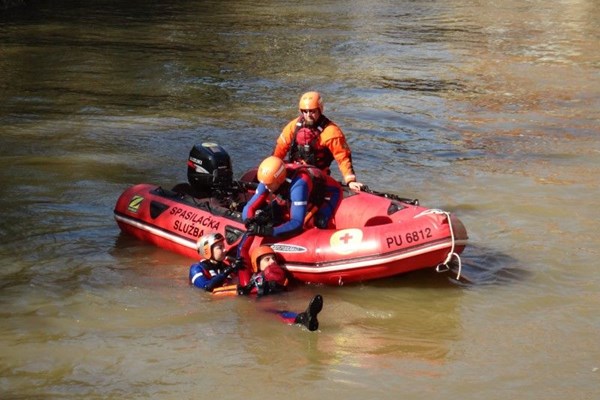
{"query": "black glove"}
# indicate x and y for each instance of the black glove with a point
(261, 218)
(253, 228)
(258, 280)
(262, 286)
(244, 290)
(229, 270)
(264, 217)
(238, 264)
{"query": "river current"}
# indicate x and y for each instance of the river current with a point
(486, 109)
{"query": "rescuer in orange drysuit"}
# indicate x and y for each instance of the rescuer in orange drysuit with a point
(314, 139)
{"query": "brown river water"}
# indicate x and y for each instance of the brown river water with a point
(489, 109)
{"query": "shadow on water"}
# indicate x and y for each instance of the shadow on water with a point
(484, 266)
(479, 266)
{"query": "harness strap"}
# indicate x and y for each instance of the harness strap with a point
(323, 122)
(311, 213)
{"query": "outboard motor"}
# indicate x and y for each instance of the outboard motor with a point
(209, 169)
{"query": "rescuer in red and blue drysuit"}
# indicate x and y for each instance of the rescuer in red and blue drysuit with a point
(309, 196)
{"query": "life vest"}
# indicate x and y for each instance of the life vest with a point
(321, 191)
(307, 147)
(206, 269)
(271, 280)
(316, 178)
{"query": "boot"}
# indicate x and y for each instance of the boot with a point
(308, 318)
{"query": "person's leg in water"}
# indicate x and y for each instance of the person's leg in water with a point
(308, 318)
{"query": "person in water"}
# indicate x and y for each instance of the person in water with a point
(213, 273)
(269, 278)
(267, 274)
(310, 196)
(312, 138)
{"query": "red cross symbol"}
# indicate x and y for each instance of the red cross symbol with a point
(346, 238)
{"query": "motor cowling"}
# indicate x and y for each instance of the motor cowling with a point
(209, 168)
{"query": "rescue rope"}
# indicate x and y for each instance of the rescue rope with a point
(443, 267)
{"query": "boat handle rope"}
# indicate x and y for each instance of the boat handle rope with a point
(443, 267)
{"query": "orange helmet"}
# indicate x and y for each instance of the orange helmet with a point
(271, 171)
(311, 101)
(206, 243)
(257, 253)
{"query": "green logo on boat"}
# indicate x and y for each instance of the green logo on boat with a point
(134, 204)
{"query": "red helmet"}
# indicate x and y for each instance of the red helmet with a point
(206, 243)
(257, 253)
(311, 101)
(271, 171)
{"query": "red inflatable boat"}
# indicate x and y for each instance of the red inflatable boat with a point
(376, 236)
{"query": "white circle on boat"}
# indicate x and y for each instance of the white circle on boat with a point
(346, 241)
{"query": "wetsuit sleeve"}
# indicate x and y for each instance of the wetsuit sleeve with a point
(299, 191)
(202, 278)
(216, 281)
(284, 141)
(333, 138)
(260, 198)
